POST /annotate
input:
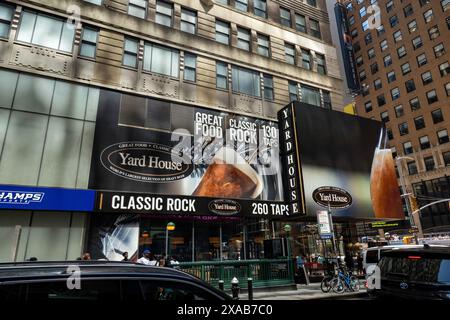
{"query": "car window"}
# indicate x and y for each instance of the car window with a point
(90, 290)
(444, 272)
(171, 291)
(372, 256)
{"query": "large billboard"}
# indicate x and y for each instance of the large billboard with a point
(163, 157)
(337, 161)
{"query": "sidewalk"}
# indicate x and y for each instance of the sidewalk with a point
(303, 292)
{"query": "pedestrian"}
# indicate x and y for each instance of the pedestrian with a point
(360, 264)
(125, 256)
(86, 256)
(148, 259)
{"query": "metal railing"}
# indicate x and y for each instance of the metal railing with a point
(265, 273)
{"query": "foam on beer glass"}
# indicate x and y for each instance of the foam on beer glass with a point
(229, 176)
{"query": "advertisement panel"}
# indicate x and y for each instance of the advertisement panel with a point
(343, 164)
(156, 147)
(324, 223)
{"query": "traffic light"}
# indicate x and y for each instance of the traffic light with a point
(414, 205)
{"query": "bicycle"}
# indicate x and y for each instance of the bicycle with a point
(325, 285)
(344, 281)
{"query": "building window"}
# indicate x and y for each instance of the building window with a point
(137, 8)
(412, 168)
(412, 26)
(368, 38)
(389, 5)
(96, 2)
(422, 60)
(424, 2)
(434, 32)
(406, 68)
(447, 89)
(263, 45)
(428, 15)
(164, 12)
(326, 100)
(393, 21)
(377, 84)
(381, 100)
(374, 68)
(188, 21)
(241, 5)
(445, 4)
(391, 77)
(414, 104)
(403, 128)
(221, 75)
(424, 143)
(371, 53)
(437, 116)
(407, 148)
(161, 60)
(439, 50)
(362, 12)
(243, 39)
(321, 66)
(384, 116)
(419, 123)
(380, 30)
(365, 90)
(442, 136)
(315, 28)
(300, 23)
(387, 60)
(246, 81)
(398, 36)
(190, 67)
(408, 10)
(88, 44)
(446, 156)
(285, 17)
(384, 45)
(368, 106)
(394, 152)
(268, 87)
(399, 111)
(359, 61)
(306, 59)
(130, 52)
(260, 8)
(444, 69)
(46, 31)
(410, 86)
(432, 96)
(389, 133)
(362, 75)
(6, 15)
(401, 52)
(293, 91)
(354, 33)
(311, 95)
(289, 50)
(427, 78)
(417, 42)
(395, 94)
(222, 32)
(429, 163)
(312, 3)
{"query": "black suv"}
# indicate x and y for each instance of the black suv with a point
(422, 273)
(100, 281)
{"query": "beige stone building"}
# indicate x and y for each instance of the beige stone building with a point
(245, 57)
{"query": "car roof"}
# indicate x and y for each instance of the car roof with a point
(405, 246)
(423, 251)
(20, 270)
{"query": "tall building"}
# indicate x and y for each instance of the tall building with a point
(402, 58)
(85, 85)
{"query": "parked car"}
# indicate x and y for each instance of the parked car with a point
(100, 281)
(415, 273)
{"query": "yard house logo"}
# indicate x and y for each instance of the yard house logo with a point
(145, 162)
(332, 197)
(224, 207)
(20, 197)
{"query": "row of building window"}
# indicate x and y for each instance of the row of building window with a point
(424, 142)
(429, 163)
(47, 31)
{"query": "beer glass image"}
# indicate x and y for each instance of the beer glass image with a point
(384, 189)
(229, 176)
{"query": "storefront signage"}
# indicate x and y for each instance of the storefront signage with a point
(149, 204)
(145, 162)
(324, 224)
(332, 197)
(390, 225)
(49, 199)
(293, 186)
